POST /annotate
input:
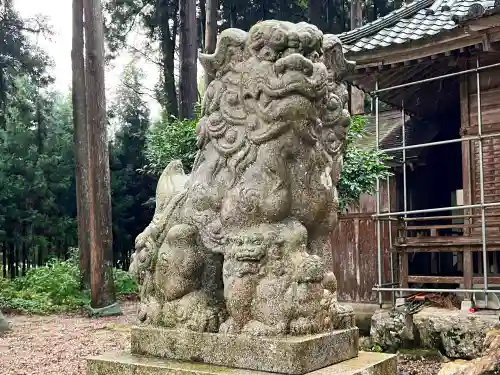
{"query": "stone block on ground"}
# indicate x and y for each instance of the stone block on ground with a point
(459, 334)
(453, 368)
(488, 364)
(288, 355)
(111, 310)
(392, 330)
(130, 364)
(4, 324)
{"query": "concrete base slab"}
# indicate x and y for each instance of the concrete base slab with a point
(129, 364)
(287, 355)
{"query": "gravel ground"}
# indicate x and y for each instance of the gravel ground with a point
(419, 367)
(59, 344)
(53, 345)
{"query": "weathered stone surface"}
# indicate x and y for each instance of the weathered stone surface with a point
(288, 355)
(242, 244)
(488, 364)
(392, 330)
(111, 310)
(128, 364)
(459, 334)
(4, 324)
(453, 368)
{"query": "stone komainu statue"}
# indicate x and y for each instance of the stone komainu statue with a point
(242, 244)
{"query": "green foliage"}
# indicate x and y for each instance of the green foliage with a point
(361, 168)
(130, 188)
(170, 139)
(54, 288)
(124, 283)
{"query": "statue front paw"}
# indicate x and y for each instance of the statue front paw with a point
(255, 328)
(303, 326)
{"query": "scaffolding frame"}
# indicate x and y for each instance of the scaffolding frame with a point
(390, 216)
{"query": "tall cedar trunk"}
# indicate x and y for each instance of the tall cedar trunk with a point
(314, 12)
(168, 53)
(188, 90)
(233, 16)
(81, 143)
(4, 260)
(210, 33)
(101, 241)
(357, 96)
(203, 22)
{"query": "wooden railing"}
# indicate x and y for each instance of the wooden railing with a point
(427, 234)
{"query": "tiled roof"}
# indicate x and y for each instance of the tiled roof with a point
(417, 20)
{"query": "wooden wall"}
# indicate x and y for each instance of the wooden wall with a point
(490, 116)
(354, 246)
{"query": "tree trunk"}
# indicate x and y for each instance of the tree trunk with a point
(211, 33)
(203, 22)
(357, 96)
(81, 143)
(101, 256)
(233, 16)
(188, 90)
(314, 9)
(168, 53)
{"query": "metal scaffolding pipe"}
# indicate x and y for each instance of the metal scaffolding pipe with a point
(391, 255)
(445, 142)
(430, 290)
(481, 178)
(440, 209)
(405, 189)
(379, 239)
(426, 80)
(388, 215)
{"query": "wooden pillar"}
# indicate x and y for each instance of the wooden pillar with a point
(403, 258)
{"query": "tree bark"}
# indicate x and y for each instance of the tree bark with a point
(81, 143)
(167, 43)
(203, 22)
(314, 9)
(357, 96)
(101, 256)
(210, 33)
(188, 90)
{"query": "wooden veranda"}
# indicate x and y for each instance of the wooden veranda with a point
(438, 61)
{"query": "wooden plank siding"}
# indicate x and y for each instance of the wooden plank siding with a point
(490, 119)
(354, 247)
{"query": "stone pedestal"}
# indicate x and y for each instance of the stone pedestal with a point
(158, 351)
(293, 355)
(130, 364)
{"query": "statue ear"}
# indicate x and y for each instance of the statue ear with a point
(230, 47)
(334, 58)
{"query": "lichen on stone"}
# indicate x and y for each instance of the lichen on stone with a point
(242, 244)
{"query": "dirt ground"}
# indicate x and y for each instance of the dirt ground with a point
(58, 344)
(52, 345)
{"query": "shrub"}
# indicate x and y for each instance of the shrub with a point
(54, 288)
(175, 139)
(171, 139)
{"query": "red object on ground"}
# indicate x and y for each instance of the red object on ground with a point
(472, 310)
